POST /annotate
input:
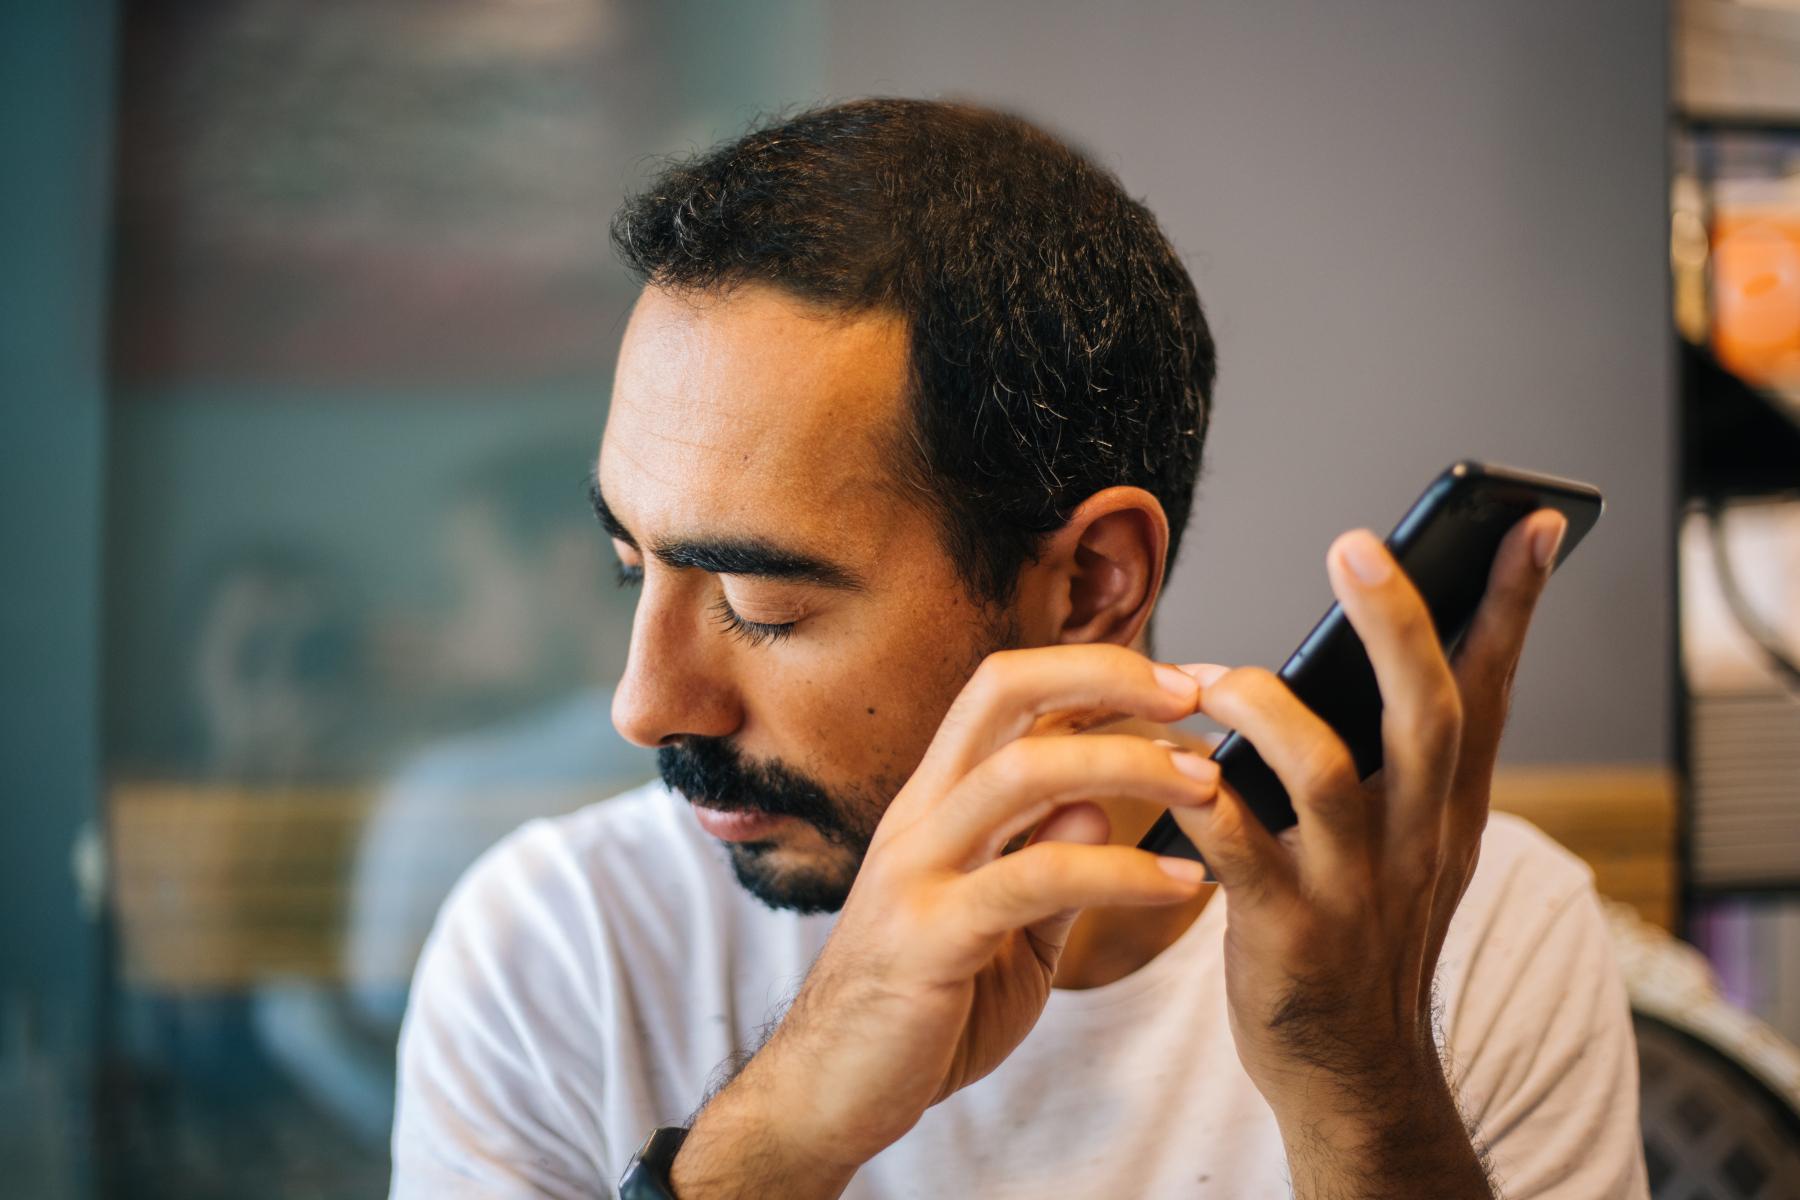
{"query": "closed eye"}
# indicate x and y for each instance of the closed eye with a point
(754, 633)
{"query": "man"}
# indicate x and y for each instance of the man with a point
(904, 434)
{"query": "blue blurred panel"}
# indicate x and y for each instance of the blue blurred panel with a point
(55, 121)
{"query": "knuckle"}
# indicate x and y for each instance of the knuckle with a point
(1014, 767)
(1135, 758)
(1436, 719)
(1245, 686)
(990, 684)
(1106, 656)
(1033, 870)
(1226, 824)
(1444, 711)
(1013, 886)
(1330, 771)
(1419, 867)
(991, 672)
(1519, 591)
(1414, 622)
(1257, 678)
(915, 909)
(1455, 714)
(1489, 677)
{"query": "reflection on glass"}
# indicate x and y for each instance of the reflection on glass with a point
(360, 623)
(524, 636)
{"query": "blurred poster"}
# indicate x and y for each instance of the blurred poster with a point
(409, 192)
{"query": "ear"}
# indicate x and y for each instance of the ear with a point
(1097, 578)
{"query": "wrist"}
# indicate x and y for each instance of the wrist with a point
(747, 1142)
(1351, 1103)
(1397, 1132)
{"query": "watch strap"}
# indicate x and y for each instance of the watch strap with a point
(647, 1175)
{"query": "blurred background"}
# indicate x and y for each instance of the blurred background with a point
(307, 322)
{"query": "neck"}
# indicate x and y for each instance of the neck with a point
(1107, 944)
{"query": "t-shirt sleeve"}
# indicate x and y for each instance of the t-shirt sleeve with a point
(493, 1079)
(1541, 1046)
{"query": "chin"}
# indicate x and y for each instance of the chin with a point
(817, 882)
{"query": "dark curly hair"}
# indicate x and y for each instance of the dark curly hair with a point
(1057, 344)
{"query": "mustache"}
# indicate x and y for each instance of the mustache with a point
(711, 772)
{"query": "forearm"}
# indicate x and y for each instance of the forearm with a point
(1407, 1140)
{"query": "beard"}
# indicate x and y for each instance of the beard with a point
(711, 772)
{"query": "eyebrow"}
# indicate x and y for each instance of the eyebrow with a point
(753, 556)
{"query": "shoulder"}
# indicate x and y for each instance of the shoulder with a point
(1529, 929)
(1522, 879)
(551, 957)
(1537, 1023)
(1515, 853)
(621, 907)
(1527, 966)
(597, 873)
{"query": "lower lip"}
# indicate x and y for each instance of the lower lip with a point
(738, 826)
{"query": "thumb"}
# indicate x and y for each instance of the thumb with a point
(1082, 824)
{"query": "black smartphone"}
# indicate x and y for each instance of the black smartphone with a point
(1446, 544)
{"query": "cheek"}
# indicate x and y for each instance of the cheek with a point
(871, 704)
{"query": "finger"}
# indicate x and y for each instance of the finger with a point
(1421, 719)
(1488, 657)
(1043, 886)
(1013, 689)
(1027, 780)
(1336, 829)
(1241, 854)
(1084, 824)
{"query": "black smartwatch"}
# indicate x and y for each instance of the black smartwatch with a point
(647, 1175)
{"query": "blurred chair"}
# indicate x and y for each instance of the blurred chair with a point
(219, 887)
(1620, 820)
(234, 898)
(1719, 1090)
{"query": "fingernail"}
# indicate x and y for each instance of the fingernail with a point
(1547, 541)
(1367, 559)
(1173, 681)
(1204, 674)
(1194, 767)
(1185, 869)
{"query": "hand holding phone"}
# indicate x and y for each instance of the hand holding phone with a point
(1446, 544)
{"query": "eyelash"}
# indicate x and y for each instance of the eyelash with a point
(754, 633)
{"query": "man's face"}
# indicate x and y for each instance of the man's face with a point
(800, 631)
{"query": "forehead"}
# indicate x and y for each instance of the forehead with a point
(753, 407)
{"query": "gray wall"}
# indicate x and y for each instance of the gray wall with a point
(1422, 231)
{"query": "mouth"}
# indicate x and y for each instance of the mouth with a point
(739, 826)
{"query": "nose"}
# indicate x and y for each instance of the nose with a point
(677, 680)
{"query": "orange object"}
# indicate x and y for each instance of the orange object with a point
(1756, 292)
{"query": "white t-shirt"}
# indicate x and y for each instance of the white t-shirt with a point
(590, 974)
